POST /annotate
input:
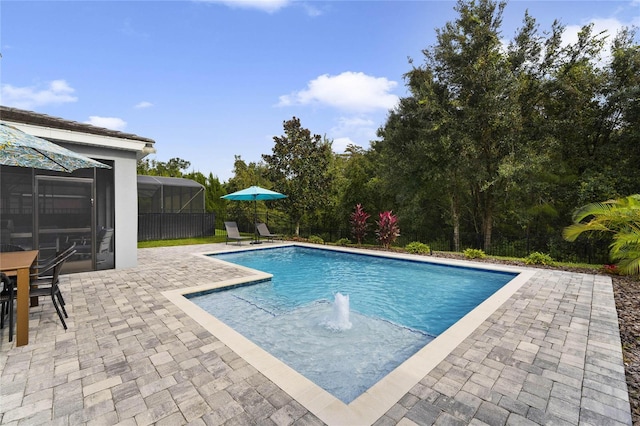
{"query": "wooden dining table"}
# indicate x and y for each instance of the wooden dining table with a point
(18, 264)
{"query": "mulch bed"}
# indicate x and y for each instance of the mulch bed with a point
(627, 295)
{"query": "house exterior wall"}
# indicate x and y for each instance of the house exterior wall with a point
(126, 211)
(124, 153)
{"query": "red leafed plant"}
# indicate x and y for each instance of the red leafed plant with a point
(359, 223)
(611, 269)
(388, 229)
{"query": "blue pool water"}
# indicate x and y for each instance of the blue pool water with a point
(396, 307)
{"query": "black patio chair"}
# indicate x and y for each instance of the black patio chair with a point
(102, 245)
(6, 302)
(45, 266)
(49, 286)
(5, 248)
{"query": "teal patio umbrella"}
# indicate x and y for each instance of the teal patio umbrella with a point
(21, 149)
(254, 193)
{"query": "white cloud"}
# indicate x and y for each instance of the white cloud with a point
(313, 11)
(611, 25)
(351, 129)
(112, 123)
(56, 92)
(340, 144)
(264, 5)
(349, 91)
(349, 123)
(143, 104)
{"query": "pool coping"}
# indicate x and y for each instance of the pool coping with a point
(378, 399)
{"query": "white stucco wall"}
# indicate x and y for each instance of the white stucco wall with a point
(126, 211)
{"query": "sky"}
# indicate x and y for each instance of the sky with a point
(210, 80)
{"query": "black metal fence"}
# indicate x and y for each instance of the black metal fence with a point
(166, 226)
(585, 250)
(170, 226)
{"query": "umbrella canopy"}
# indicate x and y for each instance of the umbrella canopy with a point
(254, 193)
(23, 150)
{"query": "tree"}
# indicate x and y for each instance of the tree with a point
(298, 168)
(622, 155)
(468, 59)
(421, 151)
(327, 216)
(245, 175)
(213, 191)
(172, 168)
(460, 126)
(510, 137)
(533, 205)
(358, 181)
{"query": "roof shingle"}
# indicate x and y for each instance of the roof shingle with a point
(29, 117)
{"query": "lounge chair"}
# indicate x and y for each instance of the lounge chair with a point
(264, 232)
(233, 233)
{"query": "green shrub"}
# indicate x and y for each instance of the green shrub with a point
(537, 258)
(343, 242)
(316, 240)
(474, 253)
(416, 247)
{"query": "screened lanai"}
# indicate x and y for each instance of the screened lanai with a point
(158, 194)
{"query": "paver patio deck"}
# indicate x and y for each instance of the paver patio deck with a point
(549, 355)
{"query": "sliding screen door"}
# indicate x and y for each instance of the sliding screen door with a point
(66, 215)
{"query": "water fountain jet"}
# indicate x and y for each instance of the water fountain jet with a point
(340, 319)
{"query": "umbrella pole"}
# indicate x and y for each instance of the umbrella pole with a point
(255, 225)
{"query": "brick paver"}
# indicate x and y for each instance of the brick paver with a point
(550, 354)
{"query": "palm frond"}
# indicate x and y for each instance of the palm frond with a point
(630, 266)
(608, 216)
(622, 217)
(626, 248)
(572, 232)
(593, 209)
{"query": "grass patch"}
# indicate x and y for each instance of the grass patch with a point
(182, 242)
(579, 265)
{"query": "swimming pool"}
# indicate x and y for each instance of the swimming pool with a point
(379, 398)
(397, 306)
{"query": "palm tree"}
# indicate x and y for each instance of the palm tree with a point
(620, 217)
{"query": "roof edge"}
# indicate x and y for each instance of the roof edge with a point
(33, 118)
